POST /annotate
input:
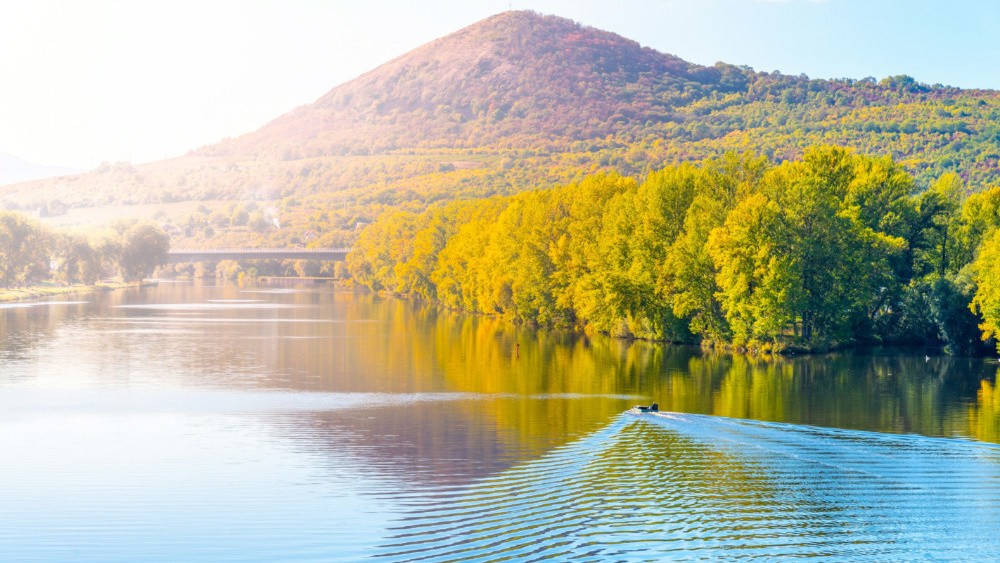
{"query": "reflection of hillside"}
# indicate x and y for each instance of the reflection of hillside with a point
(436, 444)
(452, 442)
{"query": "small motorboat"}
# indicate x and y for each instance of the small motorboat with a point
(651, 408)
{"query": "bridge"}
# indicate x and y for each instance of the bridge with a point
(181, 255)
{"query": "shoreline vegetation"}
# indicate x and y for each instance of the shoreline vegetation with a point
(38, 292)
(829, 251)
(33, 255)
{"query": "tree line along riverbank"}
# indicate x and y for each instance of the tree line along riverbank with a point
(36, 260)
(833, 249)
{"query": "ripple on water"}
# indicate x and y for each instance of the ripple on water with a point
(674, 486)
(215, 305)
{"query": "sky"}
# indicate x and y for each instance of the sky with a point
(90, 81)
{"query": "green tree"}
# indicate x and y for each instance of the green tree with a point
(239, 217)
(801, 256)
(258, 222)
(308, 268)
(597, 267)
(980, 215)
(688, 278)
(228, 270)
(939, 214)
(755, 274)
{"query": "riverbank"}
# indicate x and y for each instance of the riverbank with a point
(43, 291)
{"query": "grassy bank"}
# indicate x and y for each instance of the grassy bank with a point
(44, 291)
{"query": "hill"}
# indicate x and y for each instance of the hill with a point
(515, 102)
(516, 79)
(15, 169)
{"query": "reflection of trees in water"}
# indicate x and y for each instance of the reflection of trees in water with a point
(889, 393)
(436, 444)
(24, 328)
(984, 416)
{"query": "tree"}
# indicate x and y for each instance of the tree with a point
(955, 321)
(78, 260)
(239, 217)
(801, 255)
(258, 222)
(384, 244)
(939, 213)
(23, 250)
(986, 275)
(600, 266)
(754, 272)
(831, 248)
(980, 215)
(308, 268)
(228, 270)
(144, 247)
(689, 278)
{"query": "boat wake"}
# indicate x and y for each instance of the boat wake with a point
(677, 486)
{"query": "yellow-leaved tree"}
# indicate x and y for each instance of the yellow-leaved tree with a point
(986, 274)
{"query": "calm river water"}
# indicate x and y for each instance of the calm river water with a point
(192, 422)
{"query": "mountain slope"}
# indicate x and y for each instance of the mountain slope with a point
(520, 101)
(517, 75)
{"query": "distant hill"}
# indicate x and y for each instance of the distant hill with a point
(14, 169)
(516, 79)
(514, 102)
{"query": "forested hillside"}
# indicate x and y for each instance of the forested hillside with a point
(517, 102)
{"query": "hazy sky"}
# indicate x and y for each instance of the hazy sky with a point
(86, 81)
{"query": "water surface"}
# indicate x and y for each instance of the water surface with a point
(201, 422)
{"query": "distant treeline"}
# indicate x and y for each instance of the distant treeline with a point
(30, 252)
(835, 248)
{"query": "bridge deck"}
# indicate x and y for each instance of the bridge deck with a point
(213, 254)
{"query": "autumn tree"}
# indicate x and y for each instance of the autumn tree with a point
(986, 274)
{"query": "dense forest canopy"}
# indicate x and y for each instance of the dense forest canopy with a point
(833, 248)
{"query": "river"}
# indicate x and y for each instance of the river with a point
(202, 422)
